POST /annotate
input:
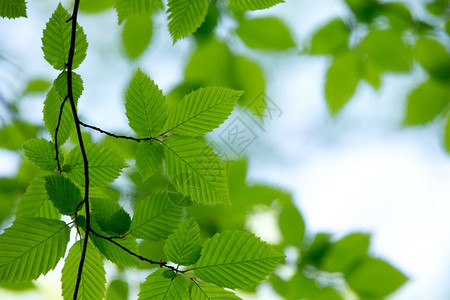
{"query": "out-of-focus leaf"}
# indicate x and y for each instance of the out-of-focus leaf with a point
(95, 6)
(13, 135)
(12, 9)
(388, 50)
(37, 85)
(437, 7)
(291, 224)
(268, 33)
(426, 102)
(364, 10)
(375, 278)
(131, 8)
(314, 254)
(117, 290)
(447, 134)
(136, 35)
(433, 56)
(252, 4)
(341, 81)
(331, 39)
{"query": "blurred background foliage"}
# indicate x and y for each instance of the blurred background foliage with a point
(377, 38)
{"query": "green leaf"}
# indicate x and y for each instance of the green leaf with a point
(93, 278)
(12, 9)
(341, 81)
(202, 110)
(132, 8)
(118, 223)
(95, 6)
(290, 218)
(265, 33)
(209, 291)
(157, 287)
(149, 156)
(447, 134)
(196, 170)
(37, 85)
(110, 216)
(64, 194)
(136, 35)
(344, 255)
(31, 247)
(331, 39)
(117, 290)
(253, 4)
(433, 56)
(183, 246)
(61, 86)
(35, 202)
(236, 259)
(375, 278)
(426, 102)
(42, 153)
(145, 105)
(114, 253)
(186, 16)
(388, 50)
(13, 135)
(155, 218)
(104, 165)
(56, 40)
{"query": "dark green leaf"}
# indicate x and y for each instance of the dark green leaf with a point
(64, 194)
(265, 33)
(116, 254)
(433, 56)
(12, 9)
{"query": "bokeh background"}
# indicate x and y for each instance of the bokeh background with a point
(358, 169)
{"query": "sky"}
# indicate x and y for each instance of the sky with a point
(359, 171)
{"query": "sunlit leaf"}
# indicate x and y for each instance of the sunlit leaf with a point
(149, 156)
(31, 247)
(331, 39)
(56, 41)
(433, 56)
(95, 6)
(117, 290)
(64, 194)
(196, 170)
(155, 218)
(132, 8)
(136, 35)
(42, 153)
(12, 9)
(186, 16)
(35, 202)
(93, 279)
(253, 4)
(236, 259)
(209, 291)
(37, 85)
(13, 135)
(159, 287)
(183, 246)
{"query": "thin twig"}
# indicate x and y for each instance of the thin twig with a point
(69, 64)
(118, 136)
(160, 263)
(57, 130)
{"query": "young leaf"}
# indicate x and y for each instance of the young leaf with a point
(186, 16)
(155, 218)
(196, 170)
(426, 102)
(145, 105)
(60, 84)
(341, 81)
(35, 202)
(42, 153)
(131, 8)
(136, 35)
(183, 246)
(201, 111)
(56, 40)
(104, 165)
(31, 247)
(149, 156)
(236, 259)
(252, 4)
(208, 291)
(12, 9)
(159, 287)
(64, 194)
(375, 278)
(265, 33)
(93, 279)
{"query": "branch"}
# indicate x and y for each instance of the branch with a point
(118, 136)
(160, 263)
(73, 19)
(56, 132)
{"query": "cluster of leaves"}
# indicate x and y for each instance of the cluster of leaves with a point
(180, 185)
(394, 43)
